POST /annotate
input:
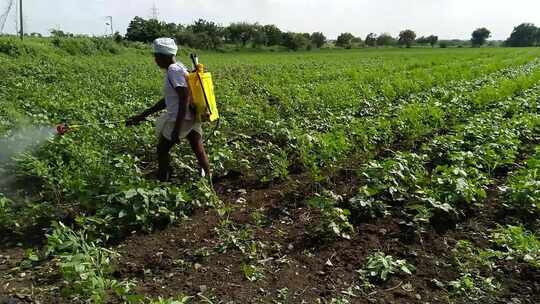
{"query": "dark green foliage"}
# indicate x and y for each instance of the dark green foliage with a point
(431, 40)
(385, 39)
(295, 41)
(525, 34)
(240, 33)
(15, 48)
(523, 192)
(318, 39)
(273, 34)
(344, 40)
(371, 39)
(480, 36)
(86, 45)
(407, 38)
(143, 30)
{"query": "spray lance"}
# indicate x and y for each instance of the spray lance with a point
(65, 127)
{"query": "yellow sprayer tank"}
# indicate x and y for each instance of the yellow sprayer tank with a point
(202, 92)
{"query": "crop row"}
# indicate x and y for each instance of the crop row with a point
(453, 170)
(522, 192)
(404, 125)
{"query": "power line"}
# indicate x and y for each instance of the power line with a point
(5, 15)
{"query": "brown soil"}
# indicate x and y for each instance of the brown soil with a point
(308, 268)
(188, 258)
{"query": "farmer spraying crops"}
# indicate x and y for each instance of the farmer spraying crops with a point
(178, 121)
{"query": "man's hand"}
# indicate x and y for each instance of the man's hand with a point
(135, 120)
(175, 135)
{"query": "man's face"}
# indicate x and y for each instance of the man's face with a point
(161, 61)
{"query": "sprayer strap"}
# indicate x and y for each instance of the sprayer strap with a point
(170, 82)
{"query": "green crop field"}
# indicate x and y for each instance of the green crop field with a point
(340, 176)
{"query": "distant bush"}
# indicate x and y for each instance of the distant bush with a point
(79, 46)
(107, 45)
(14, 47)
(86, 45)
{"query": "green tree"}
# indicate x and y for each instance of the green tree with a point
(187, 38)
(203, 26)
(357, 42)
(371, 39)
(422, 40)
(318, 39)
(525, 34)
(407, 38)
(241, 32)
(143, 30)
(208, 34)
(480, 36)
(386, 39)
(259, 38)
(117, 37)
(273, 34)
(432, 40)
(295, 41)
(344, 40)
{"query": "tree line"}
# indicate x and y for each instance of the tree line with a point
(203, 34)
(406, 38)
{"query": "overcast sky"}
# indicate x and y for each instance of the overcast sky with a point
(445, 18)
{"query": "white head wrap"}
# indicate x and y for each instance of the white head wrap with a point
(165, 46)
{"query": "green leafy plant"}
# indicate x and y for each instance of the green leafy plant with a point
(458, 185)
(334, 221)
(84, 265)
(380, 266)
(238, 238)
(523, 191)
(31, 257)
(518, 243)
(473, 286)
(142, 208)
(251, 272)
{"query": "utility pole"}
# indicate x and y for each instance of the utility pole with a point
(111, 24)
(21, 19)
(155, 11)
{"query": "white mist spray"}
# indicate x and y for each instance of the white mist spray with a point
(23, 140)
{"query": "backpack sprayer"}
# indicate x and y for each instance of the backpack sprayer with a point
(203, 100)
(202, 92)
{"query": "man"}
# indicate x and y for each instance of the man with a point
(179, 120)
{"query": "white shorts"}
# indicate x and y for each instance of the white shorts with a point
(165, 127)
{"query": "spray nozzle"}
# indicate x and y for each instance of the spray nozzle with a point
(62, 128)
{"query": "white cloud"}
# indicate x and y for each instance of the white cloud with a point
(446, 18)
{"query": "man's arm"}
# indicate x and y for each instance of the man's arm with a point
(183, 95)
(160, 105)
